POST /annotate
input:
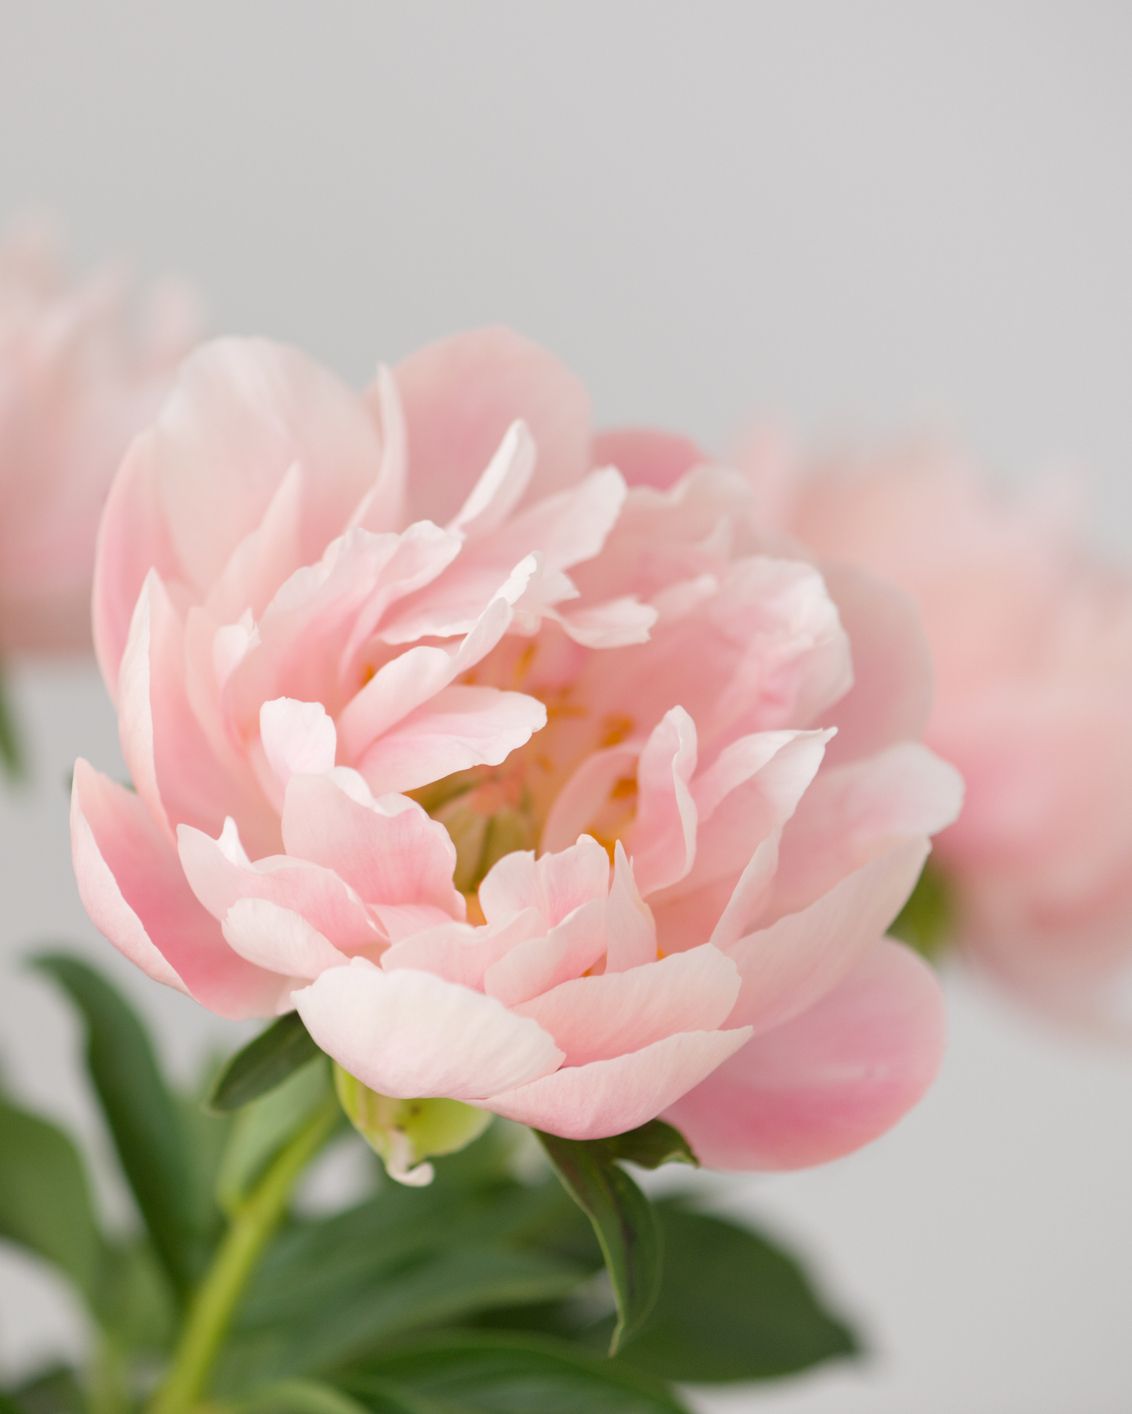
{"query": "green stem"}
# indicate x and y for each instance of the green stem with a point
(251, 1228)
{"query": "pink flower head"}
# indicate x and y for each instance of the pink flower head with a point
(76, 383)
(504, 755)
(1032, 650)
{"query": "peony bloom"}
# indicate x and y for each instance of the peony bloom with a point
(1032, 649)
(504, 755)
(76, 384)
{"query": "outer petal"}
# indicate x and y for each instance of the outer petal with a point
(787, 966)
(594, 1018)
(460, 395)
(170, 760)
(244, 411)
(412, 1035)
(853, 813)
(133, 538)
(132, 886)
(611, 1096)
(833, 1079)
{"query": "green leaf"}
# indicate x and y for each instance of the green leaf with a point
(356, 1309)
(141, 1112)
(650, 1146)
(55, 1390)
(733, 1306)
(623, 1220)
(135, 1303)
(263, 1063)
(505, 1373)
(260, 1129)
(45, 1199)
(300, 1397)
(12, 760)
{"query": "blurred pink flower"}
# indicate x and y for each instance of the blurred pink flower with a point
(371, 653)
(1032, 647)
(76, 383)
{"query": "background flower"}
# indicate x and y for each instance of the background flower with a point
(78, 377)
(1031, 640)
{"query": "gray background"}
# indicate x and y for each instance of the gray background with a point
(851, 218)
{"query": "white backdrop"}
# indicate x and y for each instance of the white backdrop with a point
(848, 217)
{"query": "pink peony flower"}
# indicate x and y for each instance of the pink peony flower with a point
(76, 384)
(1032, 649)
(515, 773)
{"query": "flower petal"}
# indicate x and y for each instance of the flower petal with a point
(610, 1096)
(387, 849)
(461, 394)
(411, 1035)
(132, 886)
(594, 1018)
(646, 457)
(833, 1079)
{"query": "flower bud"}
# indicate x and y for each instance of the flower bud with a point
(405, 1133)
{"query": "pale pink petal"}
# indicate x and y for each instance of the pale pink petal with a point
(616, 623)
(279, 939)
(132, 886)
(459, 952)
(854, 812)
(133, 538)
(629, 924)
(787, 966)
(383, 505)
(646, 457)
(298, 738)
(664, 831)
(170, 760)
(412, 1035)
(594, 1018)
(892, 674)
(501, 486)
(409, 680)
(387, 849)
(568, 949)
(243, 412)
(752, 788)
(611, 1096)
(460, 728)
(460, 395)
(833, 1079)
(219, 874)
(265, 557)
(555, 884)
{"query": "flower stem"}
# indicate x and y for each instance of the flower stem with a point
(250, 1230)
